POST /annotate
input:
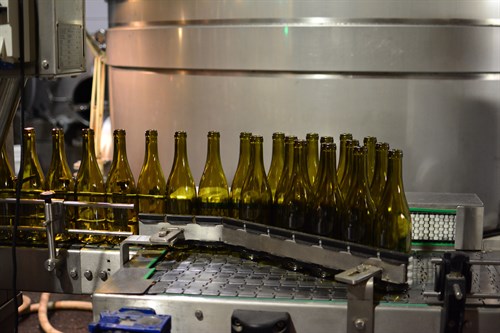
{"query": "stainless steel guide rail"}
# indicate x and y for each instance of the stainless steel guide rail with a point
(55, 221)
(311, 249)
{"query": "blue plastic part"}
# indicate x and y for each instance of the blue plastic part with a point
(132, 320)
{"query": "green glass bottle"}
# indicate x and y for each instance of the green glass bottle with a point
(346, 181)
(359, 221)
(181, 189)
(32, 185)
(298, 198)
(256, 196)
(380, 176)
(393, 223)
(151, 184)
(328, 206)
(284, 182)
(120, 188)
(7, 190)
(60, 179)
(213, 194)
(312, 156)
(277, 161)
(369, 142)
(240, 174)
(343, 155)
(90, 188)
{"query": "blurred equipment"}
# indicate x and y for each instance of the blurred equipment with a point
(53, 46)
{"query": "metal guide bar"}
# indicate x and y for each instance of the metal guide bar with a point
(312, 249)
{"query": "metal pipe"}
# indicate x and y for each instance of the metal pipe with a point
(9, 90)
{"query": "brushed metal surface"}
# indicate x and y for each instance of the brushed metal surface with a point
(174, 10)
(448, 129)
(421, 75)
(317, 48)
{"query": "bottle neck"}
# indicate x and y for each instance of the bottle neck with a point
(29, 147)
(245, 151)
(120, 149)
(59, 153)
(180, 153)
(88, 155)
(213, 152)
(395, 171)
(257, 155)
(151, 148)
(299, 160)
(359, 161)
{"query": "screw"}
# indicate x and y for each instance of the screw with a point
(45, 64)
(73, 274)
(359, 324)
(88, 274)
(162, 233)
(198, 314)
(103, 275)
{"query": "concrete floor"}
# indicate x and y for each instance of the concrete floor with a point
(63, 320)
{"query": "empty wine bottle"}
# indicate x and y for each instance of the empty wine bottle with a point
(380, 176)
(32, 184)
(240, 174)
(256, 196)
(370, 142)
(213, 194)
(312, 156)
(60, 180)
(328, 206)
(298, 197)
(393, 223)
(359, 220)
(151, 184)
(7, 190)
(284, 182)
(277, 161)
(90, 188)
(181, 190)
(120, 188)
(343, 155)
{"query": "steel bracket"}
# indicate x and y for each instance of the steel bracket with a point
(360, 300)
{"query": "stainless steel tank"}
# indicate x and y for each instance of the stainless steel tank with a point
(421, 75)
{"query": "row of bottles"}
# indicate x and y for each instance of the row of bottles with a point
(361, 199)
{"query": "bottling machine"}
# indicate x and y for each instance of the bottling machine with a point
(424, 77)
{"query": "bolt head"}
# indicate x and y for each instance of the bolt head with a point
(88, 274)
(45, 64)
(359, 324)
(103, 275)
(73, 274)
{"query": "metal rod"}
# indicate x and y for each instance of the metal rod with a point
(475, 295)
(74, 203)
(100, 232)
(437, 261)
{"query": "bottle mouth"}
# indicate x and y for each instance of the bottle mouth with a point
(152, 132)
(119, 131)
(179, 134)
(213, 134)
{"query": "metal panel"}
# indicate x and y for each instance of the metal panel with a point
(447, 128)
(421, 75)
(124, 12)
(61, 34)
(314, 48)
(30, 263)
